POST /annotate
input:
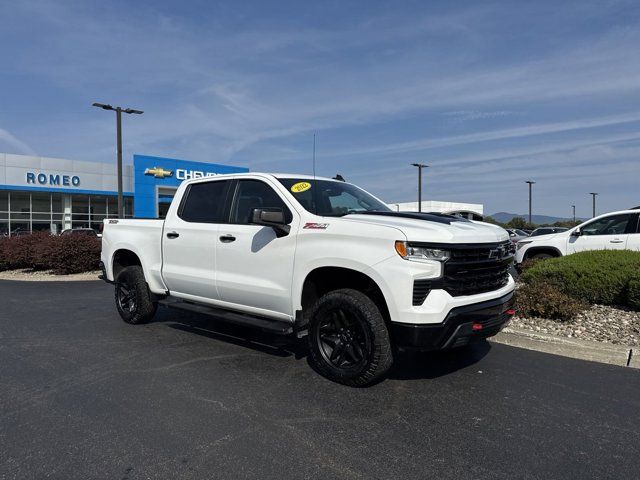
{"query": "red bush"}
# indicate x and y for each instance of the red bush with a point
(74, 254)
(41, 251)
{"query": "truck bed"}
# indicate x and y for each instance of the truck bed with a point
(141, 236)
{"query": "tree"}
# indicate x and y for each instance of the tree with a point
(517, 222)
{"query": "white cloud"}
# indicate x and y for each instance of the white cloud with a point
(13, 144)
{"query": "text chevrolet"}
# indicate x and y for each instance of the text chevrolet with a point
(319, 258)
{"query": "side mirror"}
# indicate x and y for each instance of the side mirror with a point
(576, 233)
(273, 218)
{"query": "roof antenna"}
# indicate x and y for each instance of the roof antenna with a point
(314, 197)
(314, 156)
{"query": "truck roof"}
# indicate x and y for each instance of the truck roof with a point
(275, 175)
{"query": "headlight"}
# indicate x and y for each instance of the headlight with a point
(522, 243)
(421, 254)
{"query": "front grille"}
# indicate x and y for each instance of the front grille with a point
(472, 269)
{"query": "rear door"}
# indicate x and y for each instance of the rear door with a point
(633, 240)
(189, 240)
(606, 233)
(254, 267)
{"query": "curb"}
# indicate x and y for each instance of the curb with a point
(620, 355)
(30, 277)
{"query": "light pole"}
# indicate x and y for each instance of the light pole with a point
(574, 213)
(593, 195)
(119, 111)
(530, 182)
(420, 167)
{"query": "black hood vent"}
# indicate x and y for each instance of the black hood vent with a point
(429, 217)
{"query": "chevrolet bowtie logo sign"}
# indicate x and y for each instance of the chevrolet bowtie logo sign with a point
(158, 172)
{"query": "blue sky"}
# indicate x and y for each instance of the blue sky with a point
(489, 94)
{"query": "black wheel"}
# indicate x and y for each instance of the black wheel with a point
(133, 299)
(348, 339)
(541, 256)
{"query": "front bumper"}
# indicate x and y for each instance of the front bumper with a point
(461, 326)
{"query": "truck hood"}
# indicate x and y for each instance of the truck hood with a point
(434, 228)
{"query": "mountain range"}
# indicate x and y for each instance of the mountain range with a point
(504, 217)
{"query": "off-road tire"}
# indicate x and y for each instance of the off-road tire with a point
(132, 279)
(368, 323)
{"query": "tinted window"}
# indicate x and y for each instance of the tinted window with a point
(205, 202)
(256, 194)
(613, 225)
(334, 199)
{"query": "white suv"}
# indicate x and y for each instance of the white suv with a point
(611, 231)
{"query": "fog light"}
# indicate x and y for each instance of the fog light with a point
(476, 326)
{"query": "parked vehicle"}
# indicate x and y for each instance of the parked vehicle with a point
(80, 231)
(547, 231)
(516, 234)
(319, 258)
(611, 231)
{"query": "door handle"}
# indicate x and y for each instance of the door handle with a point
(227, 238)
(616, 241)
(173, 235)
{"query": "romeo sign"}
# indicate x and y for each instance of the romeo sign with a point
(53, 179)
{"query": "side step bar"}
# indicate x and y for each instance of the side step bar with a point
(266, 324)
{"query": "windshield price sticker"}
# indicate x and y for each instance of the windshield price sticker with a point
(300, 187)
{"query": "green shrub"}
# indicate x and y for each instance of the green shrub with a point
(602, 276)
(540, 299)
(633, 293)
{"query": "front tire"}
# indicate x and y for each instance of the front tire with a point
(133, 299)
(348, 338)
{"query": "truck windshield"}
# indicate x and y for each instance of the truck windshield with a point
(332, 199)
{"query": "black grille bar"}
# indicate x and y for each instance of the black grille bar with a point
(472, 269)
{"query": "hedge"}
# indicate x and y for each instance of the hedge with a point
(41, 251)
(607, 277)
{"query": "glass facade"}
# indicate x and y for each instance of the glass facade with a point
(26, 212)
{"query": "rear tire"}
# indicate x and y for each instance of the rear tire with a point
(133, 298)
(348, 339)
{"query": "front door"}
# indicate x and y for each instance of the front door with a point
(606, 233)
(189, 240)
(254, 267)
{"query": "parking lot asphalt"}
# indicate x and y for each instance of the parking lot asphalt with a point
(84, 395)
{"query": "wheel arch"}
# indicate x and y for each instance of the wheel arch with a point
(542, 249)
(325, 279)
(123, 258)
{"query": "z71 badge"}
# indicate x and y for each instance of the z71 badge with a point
(315, 226)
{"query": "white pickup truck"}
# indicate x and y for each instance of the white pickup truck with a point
(319, 258)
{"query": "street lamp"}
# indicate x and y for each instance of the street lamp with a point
(530, 182)
(119, 111)
(420, 167)
(593, 195)
(574, 213)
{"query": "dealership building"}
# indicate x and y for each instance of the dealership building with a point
(52, 194)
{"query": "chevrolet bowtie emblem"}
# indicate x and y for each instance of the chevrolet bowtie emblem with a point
(158, 172)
